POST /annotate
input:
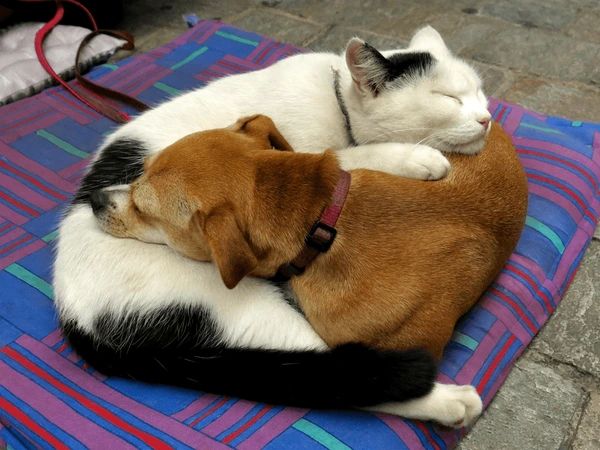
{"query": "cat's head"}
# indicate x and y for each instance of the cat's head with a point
(419, 94)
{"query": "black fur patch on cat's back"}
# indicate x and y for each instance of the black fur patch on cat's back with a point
(120, 162)
(408, 65)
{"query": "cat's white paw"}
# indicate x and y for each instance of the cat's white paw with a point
(457, 406)
(425, 163)
(448, 404)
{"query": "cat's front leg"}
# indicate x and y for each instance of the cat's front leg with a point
(416, 161)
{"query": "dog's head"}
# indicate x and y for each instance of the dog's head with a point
(194, 195)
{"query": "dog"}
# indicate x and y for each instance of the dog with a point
(408, 259)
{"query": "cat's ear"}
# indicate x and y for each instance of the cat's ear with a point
(368, 67)
(427, 38)
(229, 248)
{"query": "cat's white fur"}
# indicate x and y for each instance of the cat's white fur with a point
(95, 272)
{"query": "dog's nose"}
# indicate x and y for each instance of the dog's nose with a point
(98, 200)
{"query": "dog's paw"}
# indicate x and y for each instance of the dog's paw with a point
(456, 406)
(424, 163)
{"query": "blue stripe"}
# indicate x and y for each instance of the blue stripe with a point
(215, 414)
(517, 299)
(514, 313)
(37, 178)
(123, 415)
(258, 424)
(421, 436)
(506, 359)
(488, 361)
(538, 283)
(199, 413)
(554, 162)
(44, 423)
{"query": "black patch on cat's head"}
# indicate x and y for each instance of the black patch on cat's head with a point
(378, 71)
(120, 162)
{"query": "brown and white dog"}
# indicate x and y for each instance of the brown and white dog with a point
(409, 259)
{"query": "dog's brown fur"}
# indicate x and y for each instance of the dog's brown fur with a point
(410, 256)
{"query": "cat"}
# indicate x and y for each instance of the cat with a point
(121, 302)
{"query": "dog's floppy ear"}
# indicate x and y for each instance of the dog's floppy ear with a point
(262, 127)
(229, 249)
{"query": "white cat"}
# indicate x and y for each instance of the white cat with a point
(141, 310)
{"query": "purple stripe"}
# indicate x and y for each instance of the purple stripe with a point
(209, 32)
(87, 382)
(53, 338)
(258, 49)
(195, 407)
(75, 170)
(519, 289)
(12, 215)
(21, 253)
(507, 315)
(562, 174)
(58, 412)
(559, 151)
(11, 236)
(59, 105)
(579, 240)
(596, 147)
(467, 374)
(405, 433)
(17, 132)
(558, 199)
(25, 193)
(231, 416)
(273, 428)
(37, 169)
(512, 120)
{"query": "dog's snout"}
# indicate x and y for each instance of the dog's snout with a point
(98, 200)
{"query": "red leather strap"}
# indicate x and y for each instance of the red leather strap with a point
(95, 103)
(322, 234)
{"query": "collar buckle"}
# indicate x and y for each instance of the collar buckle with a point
(321, 237)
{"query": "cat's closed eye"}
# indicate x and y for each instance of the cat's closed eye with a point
(453, 97)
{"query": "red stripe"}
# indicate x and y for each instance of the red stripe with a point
(31, 424)
(501, 114)
(91, 405)
(32, 181)
(515, 307)
(209, 412)
(19, 205)
(532, 284)
(15, 244)
(247, 425)
(566, 189)
(421, 426)
(495, 363)
(565, 162)
(5, 227)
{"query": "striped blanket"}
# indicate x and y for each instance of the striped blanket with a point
(49, 398)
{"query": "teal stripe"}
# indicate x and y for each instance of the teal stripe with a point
(110, 66)
(320, 435)
(50, 236)
(31, 279)
(537, 127)
(166, 88)
(465, 340)
(547, 232)
(233, 37)
(69, 148)
(189, 58)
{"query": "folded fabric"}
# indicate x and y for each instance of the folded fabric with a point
(50, 398)
(22, 75)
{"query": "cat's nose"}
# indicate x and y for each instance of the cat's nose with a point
(484, 122)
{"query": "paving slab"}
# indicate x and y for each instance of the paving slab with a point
(337, 37)
(532, 13)
(585, 26)
(535, 51)
(576, 101)
(496, 80)
(537, 408)
(588, 432)
(573, 334)
(279, 25)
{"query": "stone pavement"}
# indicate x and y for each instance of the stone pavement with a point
(542, 54)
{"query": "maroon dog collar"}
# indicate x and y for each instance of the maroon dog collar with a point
(322, 234)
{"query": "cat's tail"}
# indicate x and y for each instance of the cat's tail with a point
(350, 375)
